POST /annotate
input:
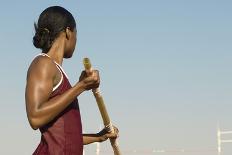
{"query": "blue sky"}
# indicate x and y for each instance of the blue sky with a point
(165, 69)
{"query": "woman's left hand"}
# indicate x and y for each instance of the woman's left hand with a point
(104, 134)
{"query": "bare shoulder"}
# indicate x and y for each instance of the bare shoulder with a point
(41, 66)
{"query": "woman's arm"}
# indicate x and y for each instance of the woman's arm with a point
(90, 138)
(40, 82)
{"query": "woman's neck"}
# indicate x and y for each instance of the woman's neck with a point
(56, 52)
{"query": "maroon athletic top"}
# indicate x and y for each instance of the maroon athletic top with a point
(63, 135)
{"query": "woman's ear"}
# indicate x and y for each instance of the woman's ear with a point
(68, 32)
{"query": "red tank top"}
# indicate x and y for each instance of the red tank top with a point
(63, 135)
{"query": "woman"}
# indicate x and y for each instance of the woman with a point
(51, 102)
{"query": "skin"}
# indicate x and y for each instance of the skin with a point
(43, 75)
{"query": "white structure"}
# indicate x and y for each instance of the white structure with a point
(98, 144)
(220, 141)
(98, 149)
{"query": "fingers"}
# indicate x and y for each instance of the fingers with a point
(94, 76)
(107, 136)
(93, 73)
(83, 75)
(109, 130)
(92, 81)
(104, 134)
(114, 134)
(116, 129)
(89, 72)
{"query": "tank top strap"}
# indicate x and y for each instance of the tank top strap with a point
(59, 67)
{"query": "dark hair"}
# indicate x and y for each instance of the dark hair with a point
(51, 22)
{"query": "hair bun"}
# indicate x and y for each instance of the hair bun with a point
(41, 38)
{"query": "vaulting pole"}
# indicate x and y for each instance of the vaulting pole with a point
(102, 109)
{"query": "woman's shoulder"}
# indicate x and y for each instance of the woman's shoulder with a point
(42, 65)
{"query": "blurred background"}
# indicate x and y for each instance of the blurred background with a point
(165, 70)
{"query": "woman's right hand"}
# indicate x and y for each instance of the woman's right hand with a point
(90, 81)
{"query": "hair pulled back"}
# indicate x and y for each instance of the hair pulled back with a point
(51, 22)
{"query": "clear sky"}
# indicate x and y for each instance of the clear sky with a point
(165, 70)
